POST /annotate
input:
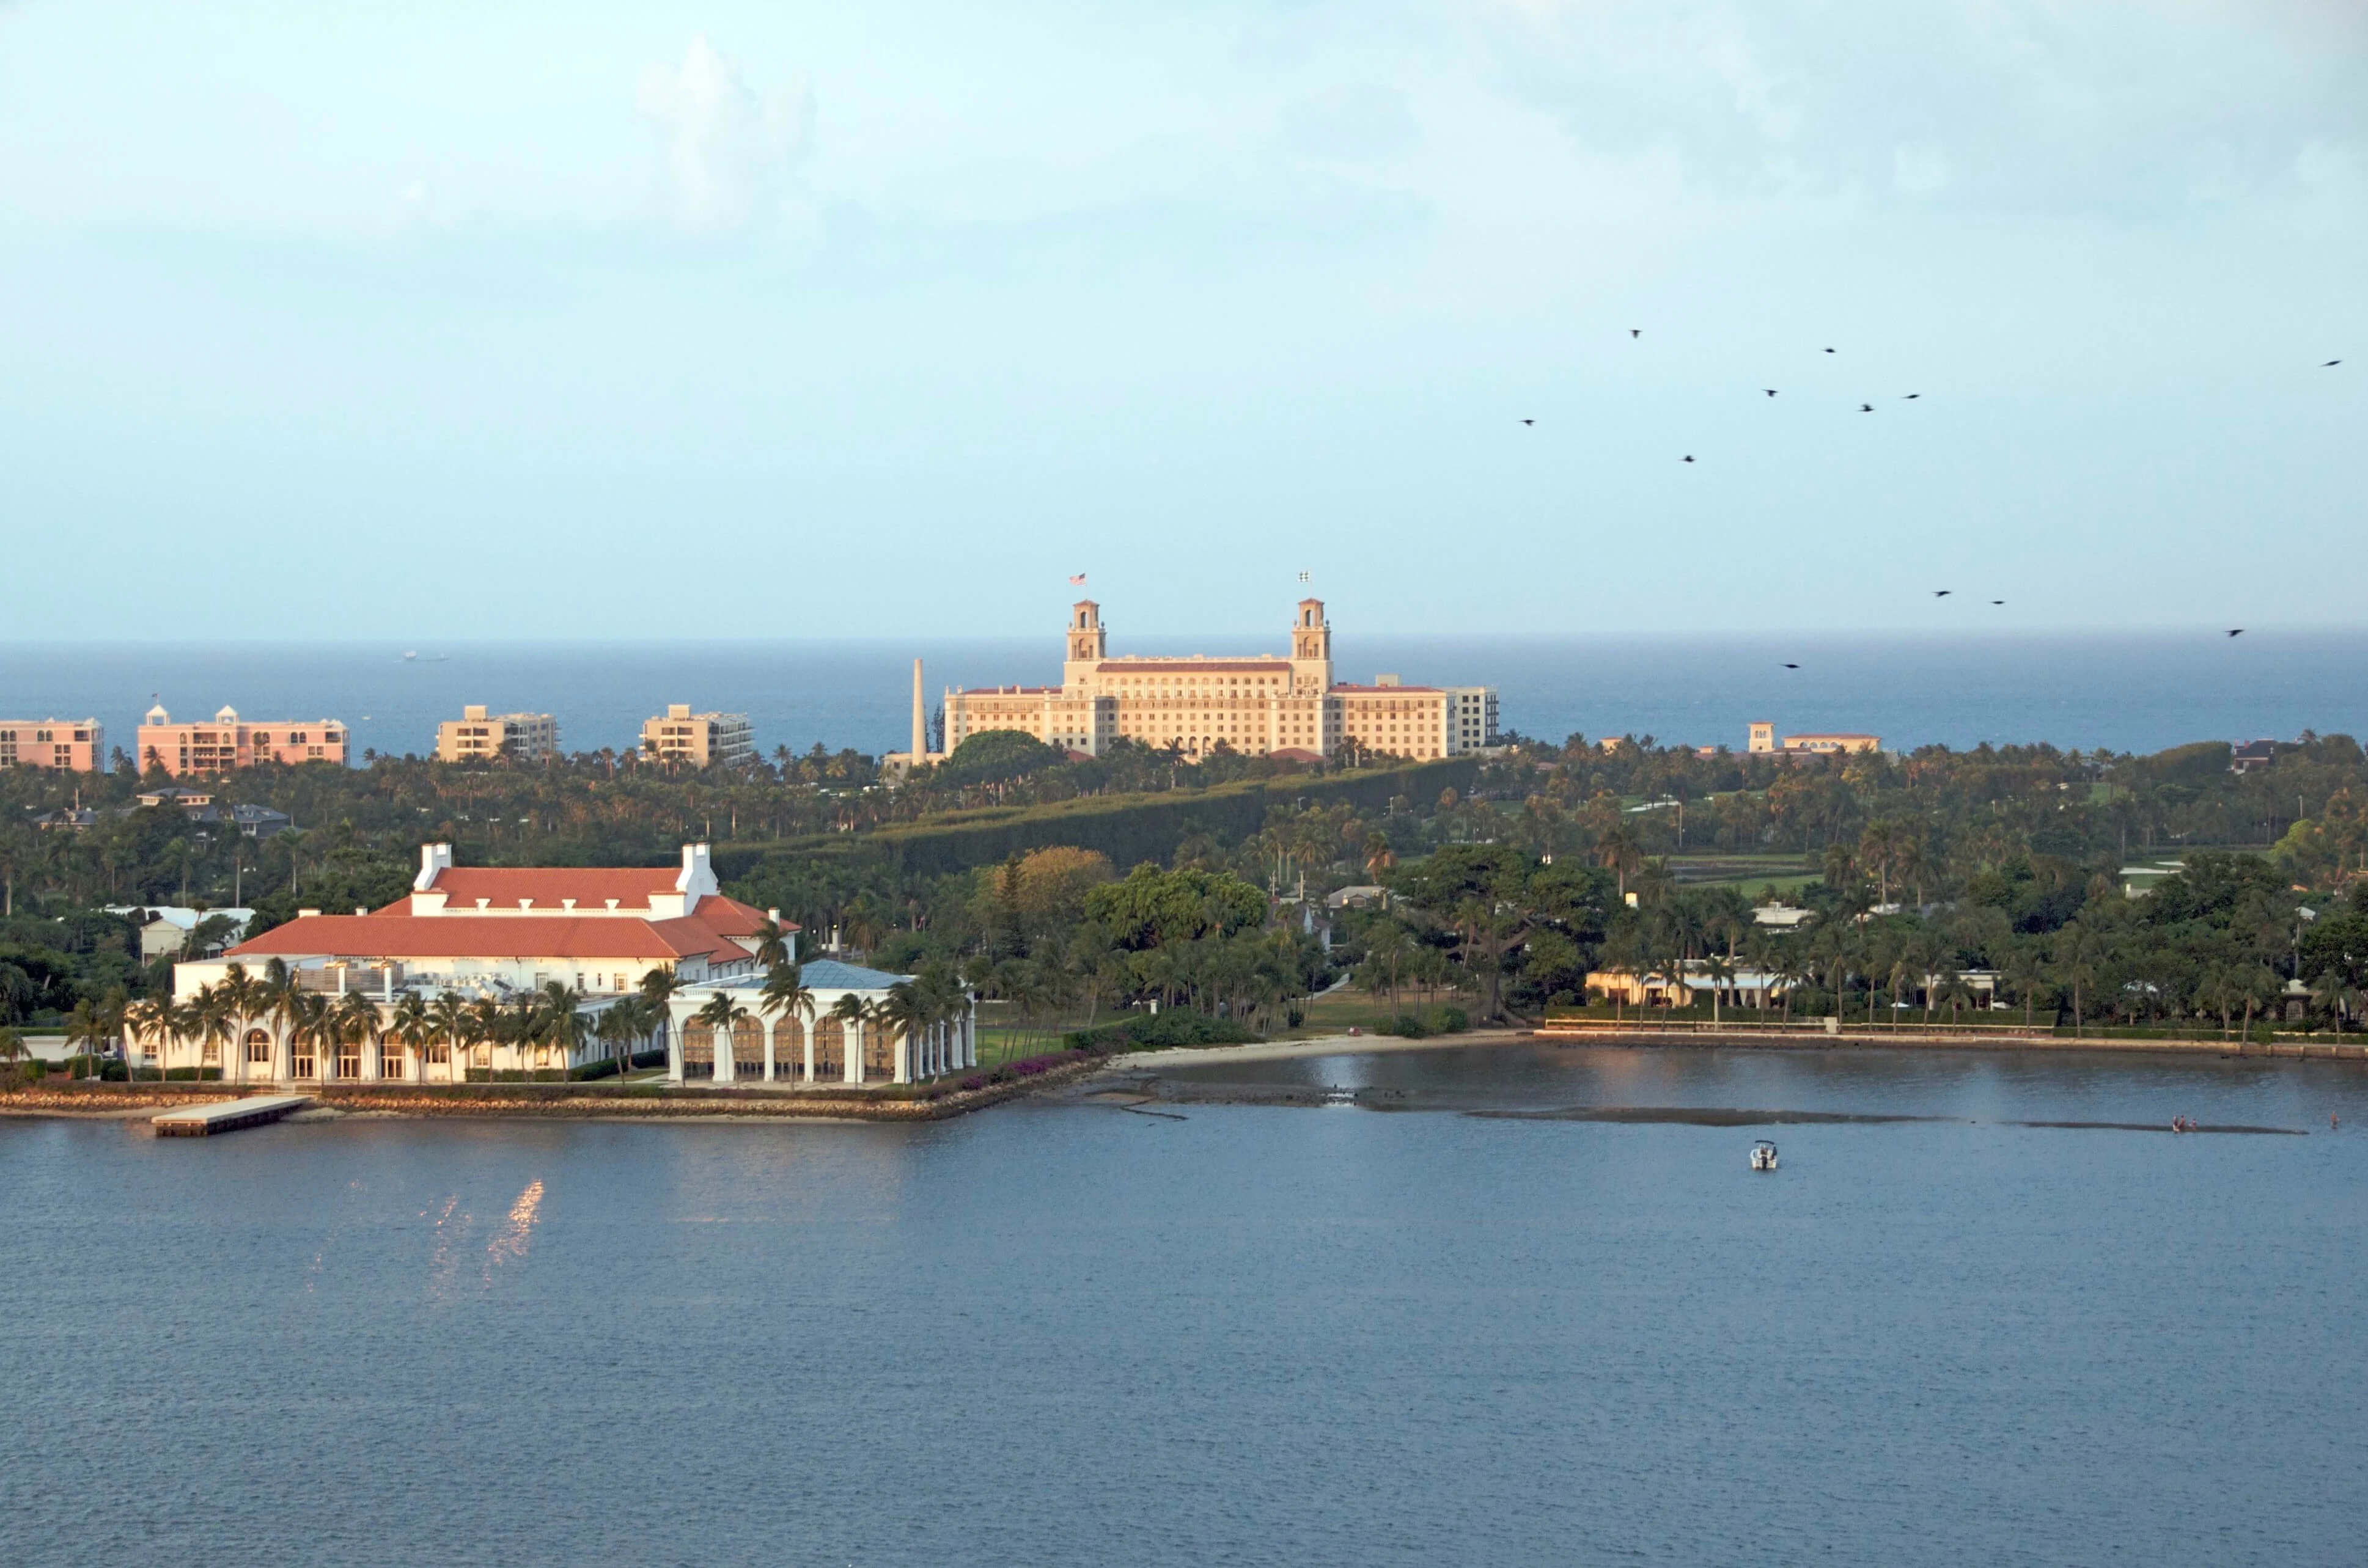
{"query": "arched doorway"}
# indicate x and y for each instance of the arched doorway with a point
(879, 1052)
(698, 1051)
(788, 1050)
(258, 1054)
(830, 1050)
(747, 1049)
(392, 1060)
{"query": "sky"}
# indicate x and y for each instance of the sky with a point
(420, 321)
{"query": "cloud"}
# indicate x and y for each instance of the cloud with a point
(727, 151)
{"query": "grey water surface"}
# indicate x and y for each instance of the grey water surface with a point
(1063, 1332)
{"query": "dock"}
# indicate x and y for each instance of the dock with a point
(226, 1116)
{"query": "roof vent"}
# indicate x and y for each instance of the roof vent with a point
(359, 910)
(611, 903)
(567, 903)
(484, 903)
(302, 912)
(525, 904)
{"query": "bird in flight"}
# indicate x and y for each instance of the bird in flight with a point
(1690, 457)
(1943, 593)
(1635, 331)
(1912, 397)
(1998, 601)
(1792, 667)
(1529, 422)
(1829, 351)
(1770, 391)
(2330, 364)
(2235, 632)
(1866, 408)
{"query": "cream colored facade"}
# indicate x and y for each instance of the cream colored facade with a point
(476, 736)
(231, 742)
(1258, 707)
(1763, 739)
(701, 740)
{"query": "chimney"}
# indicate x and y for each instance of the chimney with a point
(434, 859)
(920, 729)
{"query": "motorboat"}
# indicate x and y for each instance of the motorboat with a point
(1763, 1156)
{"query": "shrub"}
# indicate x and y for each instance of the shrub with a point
(193, 1075)
(1409, 1025)
(1453, 1020)
(1151, 1032)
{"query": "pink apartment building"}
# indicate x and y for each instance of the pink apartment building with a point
(76, 744)
(227, 741)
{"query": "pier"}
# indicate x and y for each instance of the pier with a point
(226, 1116)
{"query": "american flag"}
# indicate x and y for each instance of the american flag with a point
(1078, 581)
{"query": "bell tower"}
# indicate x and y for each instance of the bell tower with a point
(1088, 644)
(1311, 649)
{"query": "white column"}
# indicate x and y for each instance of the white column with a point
(853, 1069)
(768, 1049)
(674, 1014)
(725, 1049)
(905, 1051)
(969, 1035)
(808, 1038)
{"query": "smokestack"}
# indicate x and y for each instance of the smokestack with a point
(920, 730)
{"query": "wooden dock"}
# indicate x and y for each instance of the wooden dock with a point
(226, 1116)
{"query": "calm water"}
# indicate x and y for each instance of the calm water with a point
(1073, 1335)
(2129, 693)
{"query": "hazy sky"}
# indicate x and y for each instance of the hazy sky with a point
(429, 319)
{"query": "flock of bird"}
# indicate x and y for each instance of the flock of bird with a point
(1638, 332)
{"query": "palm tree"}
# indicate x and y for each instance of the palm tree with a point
(488, 1026)
(448, 1020)
(239, 994)
(564, 1027)
(152, 1020)
(785, 996)
(1722, 975)
(657, 988)
(312, 1023)
(1953, 990)
(722, 1012)
(772, 944)
(358, 1023)
(410, 1028)
(618, 1028)
(2077, 954)
(853, 1017)
(276, 999)
(86, 1027)
(2023, 970)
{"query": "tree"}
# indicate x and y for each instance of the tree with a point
(86, 1027)
(313, 1031)
(772, 944)
(411, 1028)
(785, 996)
(449, 1020)
(358, 1023)
(2079, 952)
(657, 989)
(851, 1015)
(721, 1013)
(152, 1020)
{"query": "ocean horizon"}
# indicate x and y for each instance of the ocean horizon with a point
(2121, 691)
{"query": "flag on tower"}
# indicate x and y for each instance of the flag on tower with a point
(1078, 581)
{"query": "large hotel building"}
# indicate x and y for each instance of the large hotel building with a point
(1259, 707)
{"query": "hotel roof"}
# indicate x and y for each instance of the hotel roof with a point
(489, 937)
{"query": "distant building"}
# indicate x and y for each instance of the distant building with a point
(68, 819)
(701, 740)
(164, 928)
(1287, 707)
(2245, 755)
(77, 745)
(198, 805)
(476, 736)
(227, 742)
(1763, 739)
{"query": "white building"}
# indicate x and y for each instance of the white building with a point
(478, 736)
(815, 1047)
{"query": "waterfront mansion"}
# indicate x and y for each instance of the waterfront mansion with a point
(494, 937)
(1261, 707)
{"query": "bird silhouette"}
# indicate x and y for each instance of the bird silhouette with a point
(1998, 601)
(1912, 397)
(1690, 457)
(1635, 331)
(2235, 632)
(1943, 593)
(1829, 351)
(2330, 364)
(1770, 391)
(1792, 667)
(1529, 422)
(1866, 408)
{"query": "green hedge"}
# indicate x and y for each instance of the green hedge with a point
(1421, 1026)
(1151, 1031)
(1130, 829)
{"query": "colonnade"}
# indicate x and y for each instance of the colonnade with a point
(788, 1055)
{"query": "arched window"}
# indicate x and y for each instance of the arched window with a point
(879, 1052)
(790, 1048)
(830, 1050)
(389, 1061)
(258, 1049)
(747, 1049)
(698, 1050)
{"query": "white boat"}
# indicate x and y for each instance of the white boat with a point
(1763, 1156)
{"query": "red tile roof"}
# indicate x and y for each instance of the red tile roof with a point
(1172, 666)
(484, 937)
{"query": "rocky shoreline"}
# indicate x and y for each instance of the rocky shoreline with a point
(572, 1101)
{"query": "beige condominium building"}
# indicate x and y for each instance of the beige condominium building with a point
(699, 739)
(1288, 706)
(1763, 739)
(477, 736)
